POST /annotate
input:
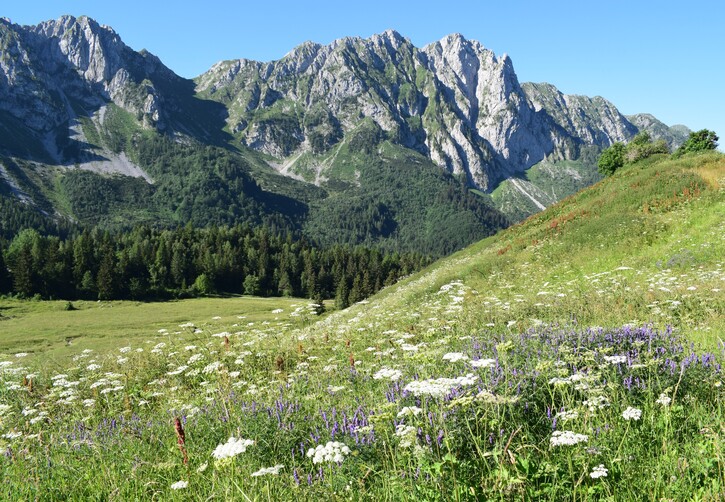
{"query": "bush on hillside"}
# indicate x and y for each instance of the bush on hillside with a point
(619, 154)
(699, 141)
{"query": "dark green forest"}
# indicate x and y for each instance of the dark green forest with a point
(148, 264)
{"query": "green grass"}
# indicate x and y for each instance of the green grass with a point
(47, 329)
(599, 319)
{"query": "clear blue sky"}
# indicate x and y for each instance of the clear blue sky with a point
(666, 58)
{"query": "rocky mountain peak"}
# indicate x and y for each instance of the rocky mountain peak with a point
(94, 50)
(454, 100)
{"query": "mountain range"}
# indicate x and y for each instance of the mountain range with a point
(364, 141)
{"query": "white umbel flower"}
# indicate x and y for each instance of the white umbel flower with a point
(388, 374)
(567, 438)
(268, 470)
(599, 472)
(333, 451)
(231, 448)
(632, 413)
(664, 400)
(483, 363)
(179, 485)
(455, 357)
(439, 387)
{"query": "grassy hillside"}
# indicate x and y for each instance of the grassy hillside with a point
(576, 355)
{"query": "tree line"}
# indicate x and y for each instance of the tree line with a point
(147, 263)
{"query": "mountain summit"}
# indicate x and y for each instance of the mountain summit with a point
(427, 145)
(453, 100)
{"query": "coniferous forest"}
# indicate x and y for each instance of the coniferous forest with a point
(148, 264)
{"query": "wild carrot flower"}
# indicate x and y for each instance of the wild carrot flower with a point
(268, 470)
(231, 448)
(388, 374)
(567, 438)
(599, 472)
(407, 435)
(333, 451)
(455, 357)
(631, 413)
(483, 363)
(664, 400)
(179, 485)
(439, 387)
(409, 411)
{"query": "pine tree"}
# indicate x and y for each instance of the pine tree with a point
(24, 280)
(106, 280)
(5, 284)
(342, 300)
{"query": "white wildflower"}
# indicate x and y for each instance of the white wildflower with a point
(439, 387)
(567, 438)
(565, 415)
(179, 485)
(410, 411)
(124, 350)
(599, 472)
(195, 358)
(632, 413)
(483, 363)
(333, 451)
(455, 357)
(615, 359)
(664, 400)
(211, 368)
(231, 448)
(407, 434)
(388, 374)
(596, 403)
(268, 470)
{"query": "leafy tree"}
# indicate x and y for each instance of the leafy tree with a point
(699, 141)
(612, 158)
(204, 285)
(251, 285)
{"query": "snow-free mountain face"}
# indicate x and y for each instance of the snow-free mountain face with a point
(371, 124)
(454, 101)
(55, 73)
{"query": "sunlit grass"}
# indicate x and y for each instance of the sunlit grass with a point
(47, 327)
(577, 356)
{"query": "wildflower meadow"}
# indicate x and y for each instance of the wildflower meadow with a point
(551, 362)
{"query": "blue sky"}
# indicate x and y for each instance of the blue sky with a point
(665, 57)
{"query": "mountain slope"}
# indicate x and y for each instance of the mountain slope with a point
(454, 101)
(643, 246)
(95, 132)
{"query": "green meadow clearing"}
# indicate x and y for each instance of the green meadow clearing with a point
(47, 328)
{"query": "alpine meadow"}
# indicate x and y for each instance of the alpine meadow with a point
(364, 271)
